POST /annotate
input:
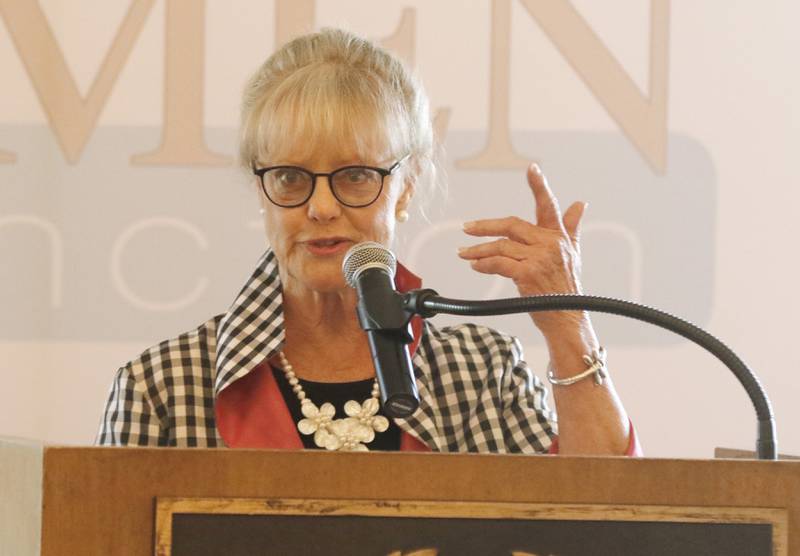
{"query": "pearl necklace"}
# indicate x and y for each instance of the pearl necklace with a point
(349, 434)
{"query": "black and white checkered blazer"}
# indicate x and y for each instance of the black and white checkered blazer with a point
(476, 392)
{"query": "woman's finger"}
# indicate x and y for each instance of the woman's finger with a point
(512, 227)
(499, 247)
(503, 266)
(548, 215)
(572, 220)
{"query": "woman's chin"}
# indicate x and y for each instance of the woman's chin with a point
(315, 274)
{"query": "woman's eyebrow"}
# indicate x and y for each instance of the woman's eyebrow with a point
(335, 165)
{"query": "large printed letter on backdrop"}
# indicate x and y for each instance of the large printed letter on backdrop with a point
(643, 118)
(73, 117)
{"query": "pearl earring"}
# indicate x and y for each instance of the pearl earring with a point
(402, 215)
(261, 210)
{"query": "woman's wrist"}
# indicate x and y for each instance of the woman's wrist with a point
(568, 339)
(564, 326)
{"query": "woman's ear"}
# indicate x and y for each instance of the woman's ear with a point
(409, 187)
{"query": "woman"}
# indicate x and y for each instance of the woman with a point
(339, 138)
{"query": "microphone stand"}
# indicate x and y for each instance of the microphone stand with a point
(427, 303)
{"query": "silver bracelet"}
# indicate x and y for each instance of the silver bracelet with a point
(597, 367)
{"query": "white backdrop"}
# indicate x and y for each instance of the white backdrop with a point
(122, 220)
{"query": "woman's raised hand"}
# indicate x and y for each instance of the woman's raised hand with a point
(541, 258)
(544, 258)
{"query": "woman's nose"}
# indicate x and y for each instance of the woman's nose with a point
(323, 205)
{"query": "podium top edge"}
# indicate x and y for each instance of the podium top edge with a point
(228, 452)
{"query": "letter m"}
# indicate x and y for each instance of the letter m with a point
(73, 117)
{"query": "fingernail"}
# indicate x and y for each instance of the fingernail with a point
(461, 250)
(585, 206)
(536, 168)
(468, 225)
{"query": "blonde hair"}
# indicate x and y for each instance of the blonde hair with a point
(335, 88)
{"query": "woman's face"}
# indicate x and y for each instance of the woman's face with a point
(311, 240)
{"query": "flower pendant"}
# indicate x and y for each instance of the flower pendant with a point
(349, 434)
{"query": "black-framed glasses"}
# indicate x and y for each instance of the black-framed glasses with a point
(353, 186)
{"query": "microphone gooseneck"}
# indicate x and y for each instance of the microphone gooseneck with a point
(427, 303)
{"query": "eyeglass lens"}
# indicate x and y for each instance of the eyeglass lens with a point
(355, 186)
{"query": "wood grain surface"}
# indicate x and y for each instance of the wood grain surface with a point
(102, 500)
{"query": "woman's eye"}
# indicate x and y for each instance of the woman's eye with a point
(357, 175)
(290, 177)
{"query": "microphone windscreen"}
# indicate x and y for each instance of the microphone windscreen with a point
(364, 255)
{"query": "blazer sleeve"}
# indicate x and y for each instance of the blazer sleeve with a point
(529, 425)
(129, 418)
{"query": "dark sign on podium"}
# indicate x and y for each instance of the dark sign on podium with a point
(234, 527)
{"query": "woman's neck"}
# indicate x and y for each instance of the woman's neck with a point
(324, 341)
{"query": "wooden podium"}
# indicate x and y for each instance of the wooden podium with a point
(139, 501)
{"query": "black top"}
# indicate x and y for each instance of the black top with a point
(336, 393)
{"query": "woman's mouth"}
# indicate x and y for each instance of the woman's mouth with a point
(328, 246)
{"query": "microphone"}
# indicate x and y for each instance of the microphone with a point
(369, 268)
